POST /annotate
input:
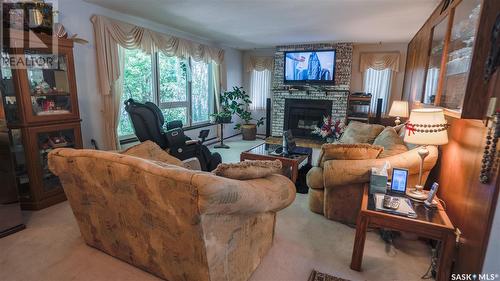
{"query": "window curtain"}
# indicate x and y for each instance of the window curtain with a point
(219, 83)
(112, 34)
(379, 61)
(378, 83)
(260, 63)
(260, 87)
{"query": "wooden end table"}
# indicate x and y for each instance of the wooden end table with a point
(430, 223)
(290, 163)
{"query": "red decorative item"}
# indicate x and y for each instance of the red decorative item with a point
(410, 128)
(330, 129)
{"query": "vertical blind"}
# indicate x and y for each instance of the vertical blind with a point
(378, 83)
(260, 87)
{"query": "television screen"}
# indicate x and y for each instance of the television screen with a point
(310, 66)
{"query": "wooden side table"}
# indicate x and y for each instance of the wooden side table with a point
(430, 223)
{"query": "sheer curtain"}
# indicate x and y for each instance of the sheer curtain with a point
(260, 87)
(378, 83)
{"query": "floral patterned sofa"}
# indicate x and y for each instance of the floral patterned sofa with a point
(176, 223)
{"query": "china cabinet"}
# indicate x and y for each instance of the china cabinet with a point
(39, 110)
(446, 54)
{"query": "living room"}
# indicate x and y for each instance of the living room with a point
(250, 140)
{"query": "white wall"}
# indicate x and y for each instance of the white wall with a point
(492, 259)
(75, 16)
(246, 80)
(398, 79)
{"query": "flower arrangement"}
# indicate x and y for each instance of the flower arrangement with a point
(331, 129)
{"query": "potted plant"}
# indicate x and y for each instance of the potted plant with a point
(225, 113)
(222, 117)
(237, 102)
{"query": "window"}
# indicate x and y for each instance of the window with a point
(260, 86)
(180, 87)
(378, 83)
(137, 84)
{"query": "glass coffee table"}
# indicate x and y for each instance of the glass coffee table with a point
(291, 163)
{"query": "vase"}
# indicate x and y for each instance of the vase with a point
(330, 140)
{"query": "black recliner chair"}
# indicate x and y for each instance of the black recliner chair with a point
(147, 120)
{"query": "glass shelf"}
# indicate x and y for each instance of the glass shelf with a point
(48, 84)
(47, 141)
(460, 51)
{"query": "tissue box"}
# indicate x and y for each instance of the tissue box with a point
(378, 181)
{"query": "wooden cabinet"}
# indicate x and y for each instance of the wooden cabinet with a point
(38, 113)
(358, 107)
(446, 59)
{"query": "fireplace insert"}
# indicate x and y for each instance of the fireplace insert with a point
(303, 115)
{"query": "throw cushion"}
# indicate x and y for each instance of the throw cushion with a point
(340, 151)
(357, 132)
(399, 127)
(151, 151)
(391, 142)
(250, 169)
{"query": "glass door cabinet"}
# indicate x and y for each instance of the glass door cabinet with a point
(38, 113)
(451, 53)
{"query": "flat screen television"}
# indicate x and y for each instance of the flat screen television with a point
(310, 67)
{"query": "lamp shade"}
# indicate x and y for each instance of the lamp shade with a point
(399, 108)
(427, 126)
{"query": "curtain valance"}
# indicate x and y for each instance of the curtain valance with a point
(379, 61)
(111, 33)
(260, 63)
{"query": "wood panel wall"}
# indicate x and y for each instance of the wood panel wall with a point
(470, 204)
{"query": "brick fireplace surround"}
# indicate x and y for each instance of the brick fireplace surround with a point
(337, 94)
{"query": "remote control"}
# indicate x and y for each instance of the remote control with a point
(391, 202)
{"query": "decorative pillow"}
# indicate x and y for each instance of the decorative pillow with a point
(357, 132)
(391, 142)
(249, 169)
(151, 151)
(340, 151)
(399, 127)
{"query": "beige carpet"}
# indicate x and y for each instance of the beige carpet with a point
(51, 249)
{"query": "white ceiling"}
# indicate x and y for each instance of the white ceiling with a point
(246, 24)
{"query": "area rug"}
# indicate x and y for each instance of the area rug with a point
(318, 276)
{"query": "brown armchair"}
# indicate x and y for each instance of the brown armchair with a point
(336, 188)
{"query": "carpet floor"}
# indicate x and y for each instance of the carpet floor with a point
(50, 248)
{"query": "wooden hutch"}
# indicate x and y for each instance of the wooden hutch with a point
(446, 59)
(38, 112)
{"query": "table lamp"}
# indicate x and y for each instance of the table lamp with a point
(426, 126)
(399, 108)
